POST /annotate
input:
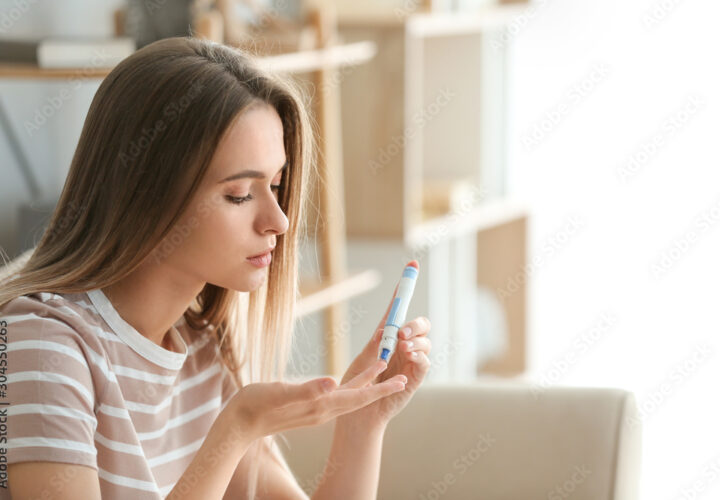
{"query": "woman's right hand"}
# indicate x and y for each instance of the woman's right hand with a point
(268, 408)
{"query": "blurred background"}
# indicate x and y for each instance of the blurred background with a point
(551, 164)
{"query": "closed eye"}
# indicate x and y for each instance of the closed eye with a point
(242, 199)
(238, 199)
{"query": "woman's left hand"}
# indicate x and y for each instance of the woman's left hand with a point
(410, 359)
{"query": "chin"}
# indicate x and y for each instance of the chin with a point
(245, 279)
(252, 281)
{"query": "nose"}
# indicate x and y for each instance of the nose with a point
(271, 219)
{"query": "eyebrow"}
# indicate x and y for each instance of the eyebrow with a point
(251, 174)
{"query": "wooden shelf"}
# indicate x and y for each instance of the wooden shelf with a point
(337, 56)
(32, 71)
(458, 23)
(413, 115)
(492, 15)
(315, 295)
(429, 109)
(487, 215)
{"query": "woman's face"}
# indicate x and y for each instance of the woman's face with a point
(235, 213)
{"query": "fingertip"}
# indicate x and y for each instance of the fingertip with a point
(379, 366)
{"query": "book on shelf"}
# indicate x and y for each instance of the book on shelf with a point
(66, 52)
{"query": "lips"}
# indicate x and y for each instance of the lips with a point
(262, 260)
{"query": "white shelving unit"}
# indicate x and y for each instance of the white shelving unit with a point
(424, 122)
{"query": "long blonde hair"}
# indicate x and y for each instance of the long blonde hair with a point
(130, 180)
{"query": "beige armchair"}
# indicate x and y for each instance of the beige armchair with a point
(498, 441)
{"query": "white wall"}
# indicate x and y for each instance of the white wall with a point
(621, 172)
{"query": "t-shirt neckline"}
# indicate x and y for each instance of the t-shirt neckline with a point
(137, 341)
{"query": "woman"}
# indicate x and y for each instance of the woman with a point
(141, 363)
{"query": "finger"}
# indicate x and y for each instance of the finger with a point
(421, 363)
(371, 348)
(416, 366)
(378, 335)
(415, 344)
(345, 400)
(333, 404)
(366, 376)
(283, 394)
(418, 326)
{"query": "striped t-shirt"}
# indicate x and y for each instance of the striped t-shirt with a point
(85, 387)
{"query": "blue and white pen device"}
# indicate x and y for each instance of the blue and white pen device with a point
(398, 311)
